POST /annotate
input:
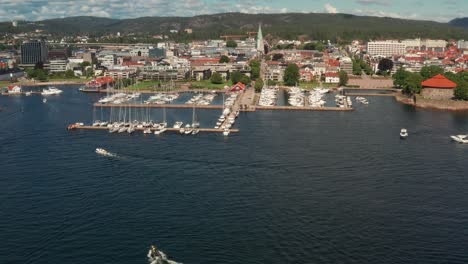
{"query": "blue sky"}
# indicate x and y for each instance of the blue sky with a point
(438, 10)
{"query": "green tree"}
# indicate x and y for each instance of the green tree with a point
(258, 85)
(255, 69)
(343, 78)
(399, 77)
(461, 92)
(236, 77)
(231, 44)
(385, 65)
(245, 79)
(277, 57)
(224, 59)
(356, 68)
(85, 64)
(431, 71)
(412, 84)
(291, 75)
(216, 78)
(41, 75)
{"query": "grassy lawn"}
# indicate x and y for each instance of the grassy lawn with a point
(308, 85)
(206, 84)
(151, 86)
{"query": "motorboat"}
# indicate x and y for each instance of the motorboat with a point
(51, 91)
(147, 131)
(460, 138)
(44, 100)
(156, 256)
(188, 129)
(104, 152)
(178, 124)
(28, 93)
(96, 123)
(182, 130)
(403, 133)
(226, 132)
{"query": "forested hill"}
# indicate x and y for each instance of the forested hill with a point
(289, 25)
(460, 22)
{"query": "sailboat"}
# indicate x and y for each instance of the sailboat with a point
(195, 123)
(162, 127)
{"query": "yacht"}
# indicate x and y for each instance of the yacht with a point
(178, 124)
(188, 129)
(51, 91)
(403, 133)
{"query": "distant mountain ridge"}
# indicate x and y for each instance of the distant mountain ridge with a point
(460, 22)
(288, 25)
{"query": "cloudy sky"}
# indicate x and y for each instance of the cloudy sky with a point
(439, 10)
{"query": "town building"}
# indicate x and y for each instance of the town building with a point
(385, 48)
(34, 52)
(438, 87)
(58, 65)
(332, 77)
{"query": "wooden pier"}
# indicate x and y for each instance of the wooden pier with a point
(169, 129)
(298, 108)
(160, 106)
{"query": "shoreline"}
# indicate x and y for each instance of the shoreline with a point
(442, 105)
(29, 83)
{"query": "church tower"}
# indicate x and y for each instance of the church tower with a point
(260, 44)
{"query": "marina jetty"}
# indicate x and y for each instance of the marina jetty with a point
(169, 129)
(160, 106)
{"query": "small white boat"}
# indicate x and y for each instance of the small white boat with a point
(160, 130)
(44, 100)
(195, 131)
(178, 124)
(182, 130)
(113, 129)
(403, 133)
(28, 93)
(147, 131)
(51, 91)
(131, 129)
(188, 129)
(156, 256)
(460, 139)
(104, 152)
(226, 132)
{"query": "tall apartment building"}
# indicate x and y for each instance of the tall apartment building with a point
(34, 51)
(385, 48)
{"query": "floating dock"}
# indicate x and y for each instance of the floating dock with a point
(169, 129)
(304, 108)
(160, 106)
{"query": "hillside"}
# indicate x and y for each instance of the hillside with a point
(460, 22)
(290, 25)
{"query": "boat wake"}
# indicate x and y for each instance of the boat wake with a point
(156, 256)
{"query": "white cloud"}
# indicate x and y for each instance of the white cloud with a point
(330, 9)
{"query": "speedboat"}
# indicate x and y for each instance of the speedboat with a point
(460, 138)
(104, 152)
(156, 256)
(403, 133)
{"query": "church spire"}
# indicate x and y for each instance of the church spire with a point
(260, 44)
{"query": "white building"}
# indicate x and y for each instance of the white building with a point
(425, 44)
(58, 66)
(385, 48)
(107, 60)
(462, 44)
(332, 77)
(139, 51)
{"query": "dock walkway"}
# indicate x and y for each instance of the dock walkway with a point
(169, 129)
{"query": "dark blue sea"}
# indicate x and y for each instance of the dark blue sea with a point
(291, 187)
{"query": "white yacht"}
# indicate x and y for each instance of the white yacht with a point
(51, 91)
(178, 124)
(403, 133)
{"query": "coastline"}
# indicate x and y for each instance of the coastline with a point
(443, 105)
(71, 82)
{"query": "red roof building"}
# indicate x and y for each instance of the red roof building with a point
(238, 87)
(438, 88)
(439, 81)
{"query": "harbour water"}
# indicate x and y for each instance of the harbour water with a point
(291, 187)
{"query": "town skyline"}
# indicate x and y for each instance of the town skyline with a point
(414, 9)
